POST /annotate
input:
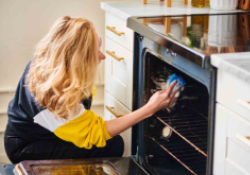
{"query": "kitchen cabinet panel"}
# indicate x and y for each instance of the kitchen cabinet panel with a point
(119, 81)
(220, 140)
(232, 143)
(111, 108)
(116, 29)
(238, 157)
(233, 93)
(232, 169)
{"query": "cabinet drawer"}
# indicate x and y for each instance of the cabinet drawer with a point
(230, 152)
(233, 94)
(237, 159)
(118, 74)
(120, 33)
(116, 108)
(231, 169)
(238, 152)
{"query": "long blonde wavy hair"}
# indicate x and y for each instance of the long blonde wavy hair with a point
(63, 70)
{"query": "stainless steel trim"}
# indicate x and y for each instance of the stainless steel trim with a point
(139, 166)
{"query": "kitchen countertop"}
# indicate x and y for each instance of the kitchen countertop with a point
(237, 64)
(126, 9)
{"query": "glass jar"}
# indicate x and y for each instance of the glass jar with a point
(223, 4)
(206, 21)
(197, 31)
(198, 3)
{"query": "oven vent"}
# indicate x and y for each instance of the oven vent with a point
(187, 156)
(191, 128)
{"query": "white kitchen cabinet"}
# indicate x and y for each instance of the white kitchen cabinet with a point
(233, 93)
(116, 29)
(232, 145)
(114, 109)
(232, 126)
(119, 74)
(220, 140)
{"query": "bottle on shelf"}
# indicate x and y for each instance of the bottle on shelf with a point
(198, 3)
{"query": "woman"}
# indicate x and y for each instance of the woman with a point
(49, 117)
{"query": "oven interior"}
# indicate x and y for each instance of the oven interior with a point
(174, 140)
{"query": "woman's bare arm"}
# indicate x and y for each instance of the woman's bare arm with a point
(159, 100)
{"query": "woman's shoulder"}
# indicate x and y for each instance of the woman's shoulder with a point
(27, 68)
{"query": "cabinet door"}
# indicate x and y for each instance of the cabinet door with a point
(113, 109)
(232, 143)
(233, 93)
(118, 73)
(220, 140)
(116, 29)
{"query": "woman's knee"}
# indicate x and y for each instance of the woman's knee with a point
(116, 145)
(120, 144)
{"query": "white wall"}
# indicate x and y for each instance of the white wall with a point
(22, 24)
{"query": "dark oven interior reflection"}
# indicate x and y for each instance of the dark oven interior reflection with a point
(175, 138)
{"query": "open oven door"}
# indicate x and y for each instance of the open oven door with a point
(101, 166)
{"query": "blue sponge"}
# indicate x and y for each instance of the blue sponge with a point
(179, 84)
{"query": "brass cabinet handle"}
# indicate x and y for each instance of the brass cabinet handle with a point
(114, 56)
(112, 29)
(244, 139)
(111, 109)
(244, 104)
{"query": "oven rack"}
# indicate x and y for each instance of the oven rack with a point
(191, 128)
(188, 157)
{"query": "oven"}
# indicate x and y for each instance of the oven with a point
(179, 140)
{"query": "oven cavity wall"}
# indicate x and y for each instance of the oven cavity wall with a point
(183, 148)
